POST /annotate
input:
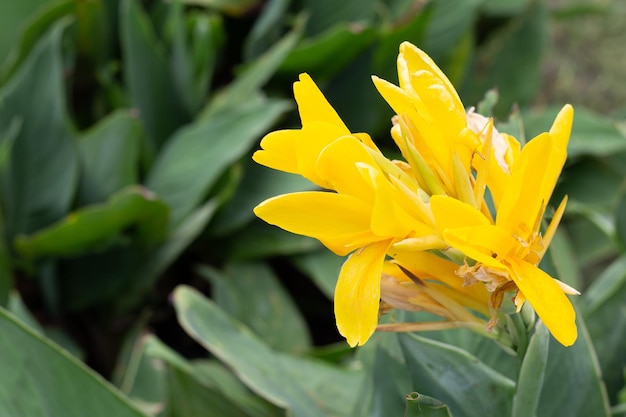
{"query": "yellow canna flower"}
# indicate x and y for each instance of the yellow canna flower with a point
(388, 214)
(508, 250)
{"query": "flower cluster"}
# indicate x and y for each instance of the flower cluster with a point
(420, 232)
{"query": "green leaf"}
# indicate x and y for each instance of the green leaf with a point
(40, 379)
(620, 222)
(195, 157)
(252, 294)
(332, 51)
(604, 310)
(456, 377)
(204, 388)
(109, 157)
(41, 175)
(565, 262)
(418, 405)
(572, 382)
(258, 184)
(313, 389)
(530, 380)
(261, 240)
(266, 29)
(503, 8)
(325, 14)
(512, 58)
(322, 267)
(93, 226)
(248, 83)
(232, 7)
(147, 76)
(592, 134)
(34, 23)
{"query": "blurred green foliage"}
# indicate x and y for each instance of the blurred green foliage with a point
(126, 130)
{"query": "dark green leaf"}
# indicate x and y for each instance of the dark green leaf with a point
(266, 29)
(573, 385)
(252, 294)
(328, 54)
(325, 14)
(620, 222)
(248, 83)
(34, 23)
(91, 227)
(258, 183)
(605, 311)
(232, 7)
(109, 157)
(41, 175)
(147, 76)
(422, 406)
(530, 380)
(40, 379)
(456, 377)
(313, 388)
(197, 155)
(592, 134)
(322, 267)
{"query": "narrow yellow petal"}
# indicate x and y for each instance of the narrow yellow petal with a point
(554, 223)
(462, 183)
(548, 300)
(314, 137)
(562, 126)
(313, 106)
(329, 217)
(357, 293)
(279, 151)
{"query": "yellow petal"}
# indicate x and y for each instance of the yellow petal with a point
(357, 293)
(334, 218)
(414, 59)
(548, 300)
(487, 244)
(451, 213)
(562, 126)
(279, 151)
(337, 164)
(314, 137)
(313, 106)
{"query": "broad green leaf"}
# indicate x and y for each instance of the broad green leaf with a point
(194, 54)
(160, 258)
(322, 267)
(325, 14)
(313, 388)
(566, 264)
(34, 23)
(387, 378)
(248, 83)
(258, 183)
(266, 29)
(512, 58)
(108, 157)
(605, 312)
(252, 294)
(531, 375)
(418, 405)
(456, 377)
(203, 387)
(504, 8)
(261, 240)
(591, 231)
(40, 379)
(6, 273)
(591, 181)
(41, 175)
(232, 7)
(332, 51)
(147, 76)
(620, 222)
(592, 134)
(572, 381)
(195, 157)
(94, 226)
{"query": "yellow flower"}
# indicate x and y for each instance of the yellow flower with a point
(508, 250)
(370, 209)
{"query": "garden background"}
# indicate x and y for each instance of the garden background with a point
(134, 277)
